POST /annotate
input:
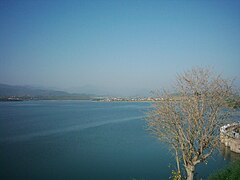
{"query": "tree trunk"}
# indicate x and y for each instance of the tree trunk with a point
(190, 172)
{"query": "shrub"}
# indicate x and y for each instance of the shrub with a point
(231, 172)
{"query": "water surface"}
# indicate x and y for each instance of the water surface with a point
(83, 140)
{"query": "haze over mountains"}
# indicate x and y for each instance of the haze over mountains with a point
(10, 90)
(88, 90)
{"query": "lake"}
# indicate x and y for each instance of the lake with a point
(85, 140)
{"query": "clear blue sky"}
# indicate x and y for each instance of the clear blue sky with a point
(114, 45)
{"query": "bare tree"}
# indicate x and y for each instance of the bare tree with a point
(189, 121)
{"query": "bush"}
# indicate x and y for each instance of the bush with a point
(231, 172)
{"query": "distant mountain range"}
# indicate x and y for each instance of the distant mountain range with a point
(21, 91)
(84, 92)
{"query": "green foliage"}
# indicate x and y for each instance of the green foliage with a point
(176, 175)
(234, 103)
(231, 172)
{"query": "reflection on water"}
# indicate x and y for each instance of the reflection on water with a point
(228, 154)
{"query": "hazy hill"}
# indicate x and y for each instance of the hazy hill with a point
(21, 91)
(9, 90)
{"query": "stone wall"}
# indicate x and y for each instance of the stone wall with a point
(228, 141)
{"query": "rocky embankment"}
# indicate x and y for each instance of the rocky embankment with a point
(230, 136)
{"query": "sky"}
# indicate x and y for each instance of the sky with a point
(116, 46)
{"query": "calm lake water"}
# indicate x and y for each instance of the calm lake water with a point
(85, 140)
